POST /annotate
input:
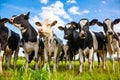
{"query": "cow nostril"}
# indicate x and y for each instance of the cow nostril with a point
(41, 30)
(11, 20)
(110, 33)
(82, 34)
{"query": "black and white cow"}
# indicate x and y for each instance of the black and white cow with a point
(64, 55)
(72, 36)
(9, 41)
(53, 44)
(85, 42)
(30, 37)
(91, 42)
(112, 39)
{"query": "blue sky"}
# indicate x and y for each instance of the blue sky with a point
(63, 11)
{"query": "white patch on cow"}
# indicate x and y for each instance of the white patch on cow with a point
(81, 60)
(17, 25)
(1, 53)
(108, 23)
(95, 42)
(21, 28)
(23, 31)
(46, 28)
(30, 46)
(8, 50)
(68, 25)
(83, 22)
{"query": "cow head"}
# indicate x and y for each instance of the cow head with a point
(46, 27)
(68, 30)
(83, 26)
(108, 25)
(20, 21)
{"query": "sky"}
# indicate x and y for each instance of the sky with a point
(64, 11)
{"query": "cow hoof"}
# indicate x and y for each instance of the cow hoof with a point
(79, 73)
(0, 72)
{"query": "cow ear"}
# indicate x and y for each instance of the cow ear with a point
(54, 23)
(4, 20)
(38, 24)
(99, 24)
(93, 22)
(74, 25)
(61, 28)
(27, 15)
(116, 21)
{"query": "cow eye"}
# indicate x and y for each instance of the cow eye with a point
(48, 24)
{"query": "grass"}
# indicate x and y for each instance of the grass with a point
(62, 73)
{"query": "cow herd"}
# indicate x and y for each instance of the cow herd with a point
(43, 44)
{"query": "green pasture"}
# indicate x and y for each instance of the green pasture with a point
(62, 73)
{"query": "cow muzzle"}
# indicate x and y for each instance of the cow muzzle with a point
(11, 21)
(65, 36)
(110, 32)
(82, 34)
(40, 30)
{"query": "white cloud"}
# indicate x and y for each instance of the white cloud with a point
(71, 1)
(117, 27)
(99, 10)
(85, 12)
(75, 10)
(44, 1)
(104, 2)
(54, 12)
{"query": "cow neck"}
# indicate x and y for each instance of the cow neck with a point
(30, 34)
(115, 36)
(109, 40)
(48, 40)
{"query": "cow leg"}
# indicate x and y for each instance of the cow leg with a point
(46, 59)
(104, 59)
(55, 59)
(15, 58)
(4, 55)
(118, 56)
(36, 57)
(90, 59)
(27, 60)
(3, 46)
(98, 57)
(112, 61)
(81, 59)
(70, 61)
(9, 56)
(1, 56)
(42, 59)
(93, 61)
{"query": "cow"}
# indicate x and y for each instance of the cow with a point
(112, 39)
(53, 44)
(63, 56)
(73, 40)
(30, 36)
(85, 42)
(9, 41)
